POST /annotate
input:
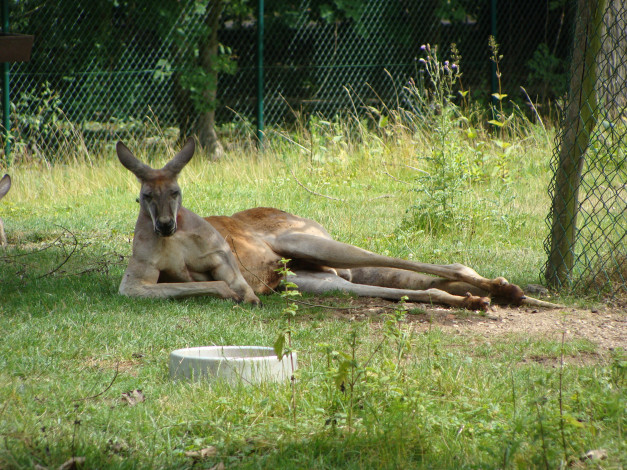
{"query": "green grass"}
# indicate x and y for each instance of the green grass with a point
(71, 345)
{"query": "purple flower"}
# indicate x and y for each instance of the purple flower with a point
(423, 47)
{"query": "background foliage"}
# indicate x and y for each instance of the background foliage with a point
(106, 67)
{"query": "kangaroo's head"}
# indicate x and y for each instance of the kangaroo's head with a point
(5, 185)
(160, 194)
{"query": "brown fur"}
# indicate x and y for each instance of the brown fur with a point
(176, 253)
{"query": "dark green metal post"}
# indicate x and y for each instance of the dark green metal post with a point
(260, 73)
(6, 101)
(493, 79)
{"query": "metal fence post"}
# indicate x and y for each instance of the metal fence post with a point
(260, 72)
(6, 88)
(493, 30)
(580, 117)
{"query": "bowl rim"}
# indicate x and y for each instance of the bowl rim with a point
(188, 353)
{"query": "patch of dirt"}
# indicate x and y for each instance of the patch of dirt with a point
(606, 326)
(110, 364)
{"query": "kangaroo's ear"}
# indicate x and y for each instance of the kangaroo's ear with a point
(5, 185)
(182, 158)
(139, 169)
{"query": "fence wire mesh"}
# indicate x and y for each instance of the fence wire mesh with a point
(102, 70)
(105, 68)
(97, 69)
(587, 247)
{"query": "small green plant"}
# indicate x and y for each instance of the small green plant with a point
(397, 331)
(350, 371)
(500, 120)
(355, 379)
(618, 368)
(456, 59)
(461, 157)
(283, 343)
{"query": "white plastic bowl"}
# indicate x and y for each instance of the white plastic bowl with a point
(233, 364)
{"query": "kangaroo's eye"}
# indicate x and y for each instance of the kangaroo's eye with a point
(176, 193)
(147, 196)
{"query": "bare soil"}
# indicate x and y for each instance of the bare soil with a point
(605, 326)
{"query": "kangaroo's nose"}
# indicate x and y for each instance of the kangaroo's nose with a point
(165, 226)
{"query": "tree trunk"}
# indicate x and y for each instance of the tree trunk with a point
(205, 126)
(183, 106)
(612, 66)
(580, 119)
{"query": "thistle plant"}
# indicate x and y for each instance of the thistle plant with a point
(443, 180)
(443, 80)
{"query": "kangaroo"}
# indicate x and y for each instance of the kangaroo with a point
(177, 253)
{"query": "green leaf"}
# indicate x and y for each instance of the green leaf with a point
(494, 122)
(279, 344)
(573, 421)
(342, 374)
(383, 121)
(290, 293)
(471, 133)
(499, 96)
(290, 311)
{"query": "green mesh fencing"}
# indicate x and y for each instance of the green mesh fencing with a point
(102, 69)
(587, 246)
(98, 70)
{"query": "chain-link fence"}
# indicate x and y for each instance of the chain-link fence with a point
(101, 70)
(587, 247)
(98, 69)
(105, 68)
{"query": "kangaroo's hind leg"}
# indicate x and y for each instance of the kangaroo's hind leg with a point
(320, 282)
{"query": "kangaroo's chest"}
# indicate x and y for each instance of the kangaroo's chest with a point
(186, 257)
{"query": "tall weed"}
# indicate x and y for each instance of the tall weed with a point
(463, 175)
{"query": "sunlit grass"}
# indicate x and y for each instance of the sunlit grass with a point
(72, 345)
